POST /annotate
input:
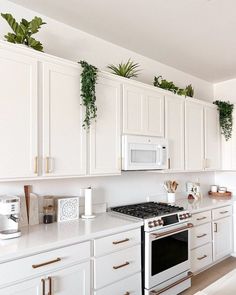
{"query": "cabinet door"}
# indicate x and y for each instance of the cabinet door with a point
(31, 287)
(143, 111)
(194, 136)
(222, 237)
(133, 99)
(212, 138)
(174, 131)
(73, 280)
(64, 145)
(18, 113)
(105, 133)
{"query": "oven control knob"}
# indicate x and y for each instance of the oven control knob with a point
(155, 222)
(184, 216)
(150, 224)
(161, 222)
(181, 217)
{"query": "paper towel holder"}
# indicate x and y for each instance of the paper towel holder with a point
(88, 204)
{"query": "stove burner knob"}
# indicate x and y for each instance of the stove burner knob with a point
(161, 222)
(156, 223)
(189, 215)
(180, 216)
(150, 224)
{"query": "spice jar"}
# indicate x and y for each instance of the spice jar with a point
(48, 214)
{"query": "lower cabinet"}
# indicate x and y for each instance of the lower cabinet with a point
(71, 280)
(117, 264)
(222, 237)
(211, 237)
(131, 285)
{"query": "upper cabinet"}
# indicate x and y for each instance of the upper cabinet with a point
(105, 132)
(212, 138)
(194, 135)
(174, 130)
(18, 113)
(143, 111)
(64, 141)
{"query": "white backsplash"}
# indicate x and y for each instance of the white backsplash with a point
(130, 187)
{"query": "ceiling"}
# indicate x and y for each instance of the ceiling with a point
(195, 36)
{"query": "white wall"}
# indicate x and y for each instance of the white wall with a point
(114, 190)
(65, 41)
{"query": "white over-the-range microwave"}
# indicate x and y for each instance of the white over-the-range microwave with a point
(144, 153)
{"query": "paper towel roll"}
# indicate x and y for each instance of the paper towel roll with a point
(88, 203)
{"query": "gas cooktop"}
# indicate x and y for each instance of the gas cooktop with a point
(148, 209)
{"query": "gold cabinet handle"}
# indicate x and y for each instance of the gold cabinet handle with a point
(127, 293)
(216, 227)
(224, 212)
(203, 257)
(201, 218)
(43, 286)
(46, 263)
(120, 242)
(122, 265)
(168, 163)
(47, 165)
(50, 285)
(35, 165)
(201, 236)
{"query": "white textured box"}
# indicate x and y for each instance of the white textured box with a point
(67, 209)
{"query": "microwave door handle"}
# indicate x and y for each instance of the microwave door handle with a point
(162, 152)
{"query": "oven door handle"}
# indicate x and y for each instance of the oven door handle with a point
(167, 233)
(189, 275)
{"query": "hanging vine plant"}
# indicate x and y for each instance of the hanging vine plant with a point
(225, 109)
(88, 93)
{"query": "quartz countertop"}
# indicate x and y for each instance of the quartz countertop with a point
(205, 203)
(40, 238)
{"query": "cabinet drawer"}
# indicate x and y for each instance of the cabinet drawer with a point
(201, 257)
(221, 212)
(131, 286)
(116, 266)
(200, 235)
(116, 242)
(20, 269)
(202, 217)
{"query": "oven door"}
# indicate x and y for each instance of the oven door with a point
(167, 254)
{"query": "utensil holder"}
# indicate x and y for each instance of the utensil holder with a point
(171, 197)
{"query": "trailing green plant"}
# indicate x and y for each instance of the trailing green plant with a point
(189, 90)
(170, 86)
(225, 109)
(129, 69)
(23, 31)
(88, 93)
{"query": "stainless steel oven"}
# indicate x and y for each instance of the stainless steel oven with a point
(167, 257)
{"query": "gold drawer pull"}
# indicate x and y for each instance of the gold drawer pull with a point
(203, 257)
(224, 212)
(127, 293)
(120, 242)
(46, 263)
(122, 265)
(201, 218)
(35, 165)
(201, 236)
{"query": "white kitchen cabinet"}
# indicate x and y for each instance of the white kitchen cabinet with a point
(31, 287)
(72, 280)
(105, 132)
(212, 138)
(222, 237)
(194, 136)
(174, 131)
(18, 113)
(143, 111)
(63, 142)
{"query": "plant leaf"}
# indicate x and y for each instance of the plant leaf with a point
(12, 23)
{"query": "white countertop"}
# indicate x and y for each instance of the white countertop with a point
(203, 204)
(40, 238)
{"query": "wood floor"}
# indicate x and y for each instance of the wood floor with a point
(207, 277)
